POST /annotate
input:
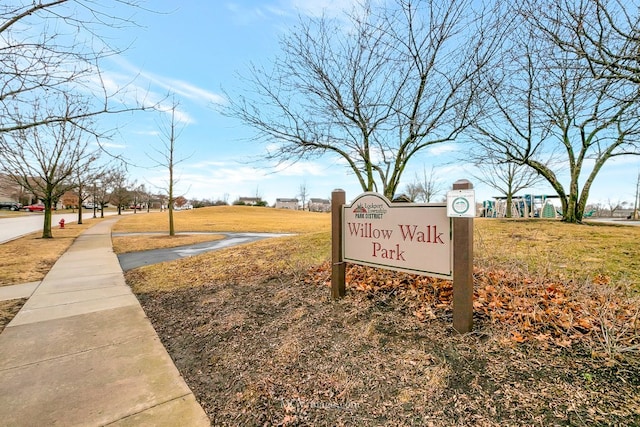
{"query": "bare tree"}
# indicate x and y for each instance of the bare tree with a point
(546, 110)
(145, 196)
(43, 159)
(424, 187)
(303, 193)
(615, 205)
(165, 156)
(604, 33)
(101, 192)
(115, 182)
(83, 177)
(138, 195)
(51, 49)
(397, 78)
(180, 201)
(504, 176)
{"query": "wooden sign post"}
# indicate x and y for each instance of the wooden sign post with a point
(338, 266)
(432, 239)
(463, 267)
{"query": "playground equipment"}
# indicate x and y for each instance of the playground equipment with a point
(527, 206)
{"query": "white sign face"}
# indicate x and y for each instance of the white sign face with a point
(461, 204)
(410, 237)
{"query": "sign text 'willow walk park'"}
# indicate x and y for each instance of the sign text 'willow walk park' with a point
(429, 239)
(409, 237)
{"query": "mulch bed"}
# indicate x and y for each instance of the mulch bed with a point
(282, 353)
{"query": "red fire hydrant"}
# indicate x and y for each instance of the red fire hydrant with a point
(61, 223)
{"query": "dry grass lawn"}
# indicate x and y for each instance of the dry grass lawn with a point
(210, 220)
(29, 258)
(539, 248)
(254, 333)
(143, 242)
(228, 218)
(270, 258)
(556, 340)
(570, 251)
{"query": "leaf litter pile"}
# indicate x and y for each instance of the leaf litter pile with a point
(276, 350)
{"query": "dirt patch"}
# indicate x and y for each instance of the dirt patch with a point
(8, 310)
(282, 353)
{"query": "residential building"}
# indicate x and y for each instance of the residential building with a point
(292, 204)
(249, 201)
(319, 205)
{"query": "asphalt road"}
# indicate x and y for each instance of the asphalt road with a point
(618, 221)
(133, 260)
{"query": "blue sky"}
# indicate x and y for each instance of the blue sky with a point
(195, 49)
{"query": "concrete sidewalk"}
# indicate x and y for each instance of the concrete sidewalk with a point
(81, 352)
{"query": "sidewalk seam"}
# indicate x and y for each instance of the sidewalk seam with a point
(151, 407)
(63, 356)
(78, 302)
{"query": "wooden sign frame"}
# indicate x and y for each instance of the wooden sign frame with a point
(461, 248)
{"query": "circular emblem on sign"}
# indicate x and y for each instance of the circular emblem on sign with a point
(460, 205)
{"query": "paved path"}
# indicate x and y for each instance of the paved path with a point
(133, 260)
(24, 290)
(618, 221)
(81, 352)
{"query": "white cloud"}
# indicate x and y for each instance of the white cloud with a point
(112, 145)
(147, 132)
(179, 87)
(247, 15)
(186, 89)
(290, 8)
(180, 116)
(207, 164)
(317, 8)
(300, 169)
(443, 148)
(625, 161)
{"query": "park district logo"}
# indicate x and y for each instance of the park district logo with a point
(369, 211)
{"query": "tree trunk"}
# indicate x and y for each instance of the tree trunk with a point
(508, 214)
(570, 213)
(80, 204)
(46, 228)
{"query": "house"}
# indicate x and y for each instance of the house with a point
(12, 191)
(287, 204)
(249, 201)
(319, 205)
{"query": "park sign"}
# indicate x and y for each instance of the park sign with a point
(410, 237)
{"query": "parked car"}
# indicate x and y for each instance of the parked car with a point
(34, 208)
(13, 206)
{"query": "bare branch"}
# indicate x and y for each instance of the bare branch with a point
(400, 77)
